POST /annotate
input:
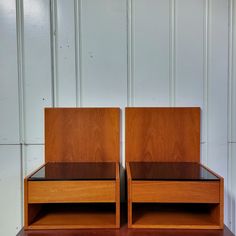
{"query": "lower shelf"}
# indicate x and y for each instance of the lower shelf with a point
(197, 216)
(74, 216)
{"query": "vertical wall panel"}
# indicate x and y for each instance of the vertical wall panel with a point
(37, 81)
(34, 157)
(233, 183)
(103, 53)
(218, 72)
(232, 116)
(189, 66)
(233, 119)
(189, 52)
(217, 90)
(151, 49)
(66, 77)
(233, 50)
(9, 118)
(232, 187)
(10, 185)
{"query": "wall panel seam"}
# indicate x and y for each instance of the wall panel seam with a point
(206, 39)
(10, 144)
(21, 98)
(54, 51)
(230, 70)
(229, 102)
(78, 50)
(172, 56)
(130, 53)
(20, 65)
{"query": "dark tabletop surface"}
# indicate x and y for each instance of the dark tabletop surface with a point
(76, 171)
(170, 171)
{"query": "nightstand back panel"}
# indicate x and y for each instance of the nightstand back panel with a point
(162, 134)
(82, 134)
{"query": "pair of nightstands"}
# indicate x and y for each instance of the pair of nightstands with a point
(79, 186)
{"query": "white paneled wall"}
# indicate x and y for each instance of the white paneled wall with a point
(114, 53)
(9, 130)
(150, 52)
(232, 115)
(37, 76)
(11, 188)
(64, 56)
(103, 53)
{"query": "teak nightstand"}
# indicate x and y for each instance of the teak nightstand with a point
(79, 184)
(167, 185)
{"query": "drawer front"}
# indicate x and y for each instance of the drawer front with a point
(71, 191)
(176, 191)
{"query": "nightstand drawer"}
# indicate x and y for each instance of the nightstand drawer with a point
(176, 191)
(71, 191)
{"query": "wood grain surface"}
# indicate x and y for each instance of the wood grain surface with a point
(125, 231)
(174, 216)
(162, 134)
(176, 191)
(75, 216)
(71, 191)
(82, 134)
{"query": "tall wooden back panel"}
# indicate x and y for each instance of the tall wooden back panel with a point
(82, 134)
(162, 134)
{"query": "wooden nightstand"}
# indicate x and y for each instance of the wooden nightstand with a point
(167, 185)
(79, 186)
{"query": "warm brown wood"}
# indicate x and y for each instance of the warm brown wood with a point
(178, 216)
(26, 218)
(127, 165)
(82, 134)
(129, 186)
(162, 134)
(176, 191)
(218, 212)
(74, 216)
(155, 138)
(125, 231)
(117, 195)
(117, 171)
(30, 211)
(55, 197)
(221, 202)
(71, 191)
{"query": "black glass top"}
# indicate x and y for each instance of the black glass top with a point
(76, 171)
(170, 171)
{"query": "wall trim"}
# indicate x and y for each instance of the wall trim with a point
(20, 66)
(206, 40)
(230, 108)
(54, 51)
(21, 102)
(78, 51)
(172, 51)
(130, 53)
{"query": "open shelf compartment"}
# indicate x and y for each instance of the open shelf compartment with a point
(173, 215)
(72, 215)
